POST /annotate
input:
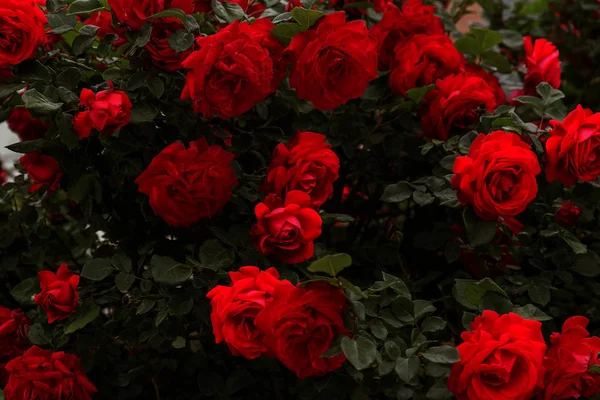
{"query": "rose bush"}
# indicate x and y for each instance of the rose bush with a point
(300, 200)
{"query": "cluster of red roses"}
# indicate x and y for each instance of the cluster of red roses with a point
(498, 176)
(29, 372)
(259, 314)
(506, 357)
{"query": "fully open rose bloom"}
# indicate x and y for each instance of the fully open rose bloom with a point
(286, 230)
(491, 80)
(235, 307)
(423, 60)
(497, 176)
(43, 170)
(455, 104)
(307, 164)
(162, 54)
(14, 326)
(106, 111)
(543, 65)
(573, 149)
(42, 374)
(22, 31)
(59, 295)
(501, 358)
(568, 360)
(233, 69)
(398, 25)
(25, 125)
(333, 61)
(186, 185)
(134, 13)
(301, 323)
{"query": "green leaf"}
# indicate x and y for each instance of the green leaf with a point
(121, 261)
(143, 112)
(38, 335)
(25, 290)
(397, 192)
(84, 7)
(332, 264)
(439, 391)
(418, 94)
(83, 316)
(422, 308)
(227, 11)
(433, 324)
(497, 61)
(81, 187)
(144, 35)
(511, 39)
(360, 352)
(573, 242)
(88, 30)
(178, 343)
(328, 218)
(168, 271)
(156, 86)
(170, 13)
(595, 368)
(96, 269)
(61, 19)
(479, 231)
(124, 281)
(111, 74)
(442, 354)
(452, 251)
(549, 94)
(486, 38)
(11, 88)
(215, 256)
(145, 306)
(379, 330)
(34, 100)
(65, 129)
(81, 44)
(306, 18)
(529, 311)
(422, 198)
(539, 294)
(587, 264)
(475, 292)
(407, 368)
(285, 32)
(181, 40)
(180, 305)
(2, 396)
(136, 81)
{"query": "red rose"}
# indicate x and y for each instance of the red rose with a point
(59, 295)
(454, 104)
(42, 374)
(501, 358)
(2, 174)
(307, 164)
(14, 326)
(103, 20)
(543, 65)
(568, 361)
(134, 13)
(332, 62)
(233, 70)
(491, 80)
(43, 170)
(423, 60)
(568, 213)
(106, 111)
(301, 323)
(161, 52)
(235, 307)
(573, 149)
(287, 229)
(497, 176)
(186, 185)
(22, 29)
(398, 26)
(26, 126)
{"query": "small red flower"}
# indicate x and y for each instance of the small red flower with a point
(568, 213)
(43, 170)
(106, 111)
(543, 65)
(25, 125)
(59, 295)
(14, 326)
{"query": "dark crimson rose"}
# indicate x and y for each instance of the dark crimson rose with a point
(398, 25)
(59, 295)
(491, 80)
(233, 70)
(501, 358)
(2, 174)
(423, 60)
(543, 65)
(455, 104)
(286, 230)
(103, 20)
(497, 176)
(568, 362)
(134, 13)
(292, 4)
(161, 52)
(42, 374)
(307, 164)
(573, 149)
(106, 111)
(25, 125)
(301, 323)
(235, 307)
(202, 6)
(22, 30)
(568, 213)
(14, 326)
(332, 62)
(186, 185)
(43, 170)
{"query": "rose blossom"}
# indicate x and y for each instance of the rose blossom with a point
(543, 65)
(307, 164)
(568, 213)
(106, 111)
(286, 230)
(14, 326)
(25, 125)
(43, 170)
(163, 56)
(134, 13)
(492, 81)
(59, 295)
(22, 31)
(497, 176)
